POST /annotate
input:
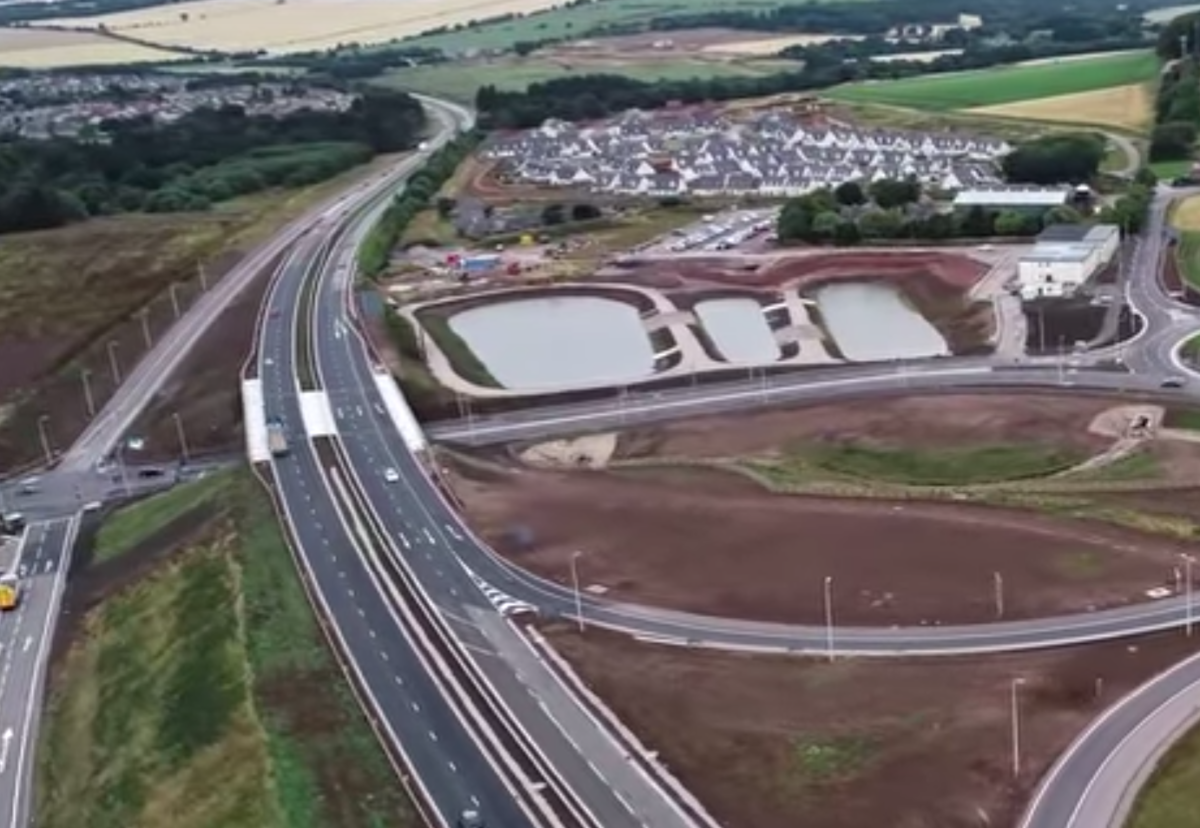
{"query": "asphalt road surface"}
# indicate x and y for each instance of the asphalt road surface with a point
(26, 635)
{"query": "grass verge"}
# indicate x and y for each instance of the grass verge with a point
(464, 361)
(129, 527)
(204, 695)
(1169, 800)
(943, 467)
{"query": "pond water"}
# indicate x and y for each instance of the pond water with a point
(738, 328)
(871, 321)
(557, 341)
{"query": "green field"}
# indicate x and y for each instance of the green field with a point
(203, 695)
(942, 467)
(1004, 85)
(573, 22)
(129, 527)
(461, 81)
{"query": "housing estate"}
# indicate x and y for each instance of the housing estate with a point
(1064, 257)
(776, 154)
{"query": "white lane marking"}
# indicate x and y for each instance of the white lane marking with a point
(433, 736)
(429, 535)
(404, 541)
(28, 643)
(5, 744)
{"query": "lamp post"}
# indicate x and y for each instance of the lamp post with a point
(85, 376)
(829, 617)
(45, 438)
(113, 366)
(183, 446)
(1187, 585)
(175, 299)
(575, 556)
(144, 313)
(1016, 726)
(998, 584)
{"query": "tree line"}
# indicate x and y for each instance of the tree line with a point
(854, 212)
(207, 156)
(417, 195)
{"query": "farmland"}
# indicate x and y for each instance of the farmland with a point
(46, 49)
(301, 25)
(460, 81)
(1005, 85)
(1126, 107)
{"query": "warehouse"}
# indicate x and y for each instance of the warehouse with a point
(1034, 200)
(1066, 256)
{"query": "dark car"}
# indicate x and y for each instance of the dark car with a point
(1172, 382)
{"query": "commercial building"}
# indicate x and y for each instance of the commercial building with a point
(1017, 199)
(1066, 256)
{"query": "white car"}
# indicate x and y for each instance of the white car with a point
(391, 475)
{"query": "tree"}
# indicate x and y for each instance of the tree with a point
(1009, 223)
(1054, 159)
(1173, 141)
(825, 224)
(881, 224)
(850, 193)
(889, 193)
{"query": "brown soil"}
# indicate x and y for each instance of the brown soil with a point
(775, 741)
(206, 388)
(808, 270)
(713, 543)
(911, 422)
(716, 543)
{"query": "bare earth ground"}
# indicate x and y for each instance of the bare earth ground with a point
(716, 543)
(810, 268)
(859, 743)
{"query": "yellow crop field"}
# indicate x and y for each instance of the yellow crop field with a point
(764, 47)
(1186, 215)
(1125, 107)
(296, 25)
(43, 49)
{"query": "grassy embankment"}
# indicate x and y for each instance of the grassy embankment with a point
(1185, 217)
(204, 694)
(1169, 800)
(130, 527)
(924, 467)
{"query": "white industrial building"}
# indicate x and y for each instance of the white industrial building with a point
(1016, 198)
(1066, 256)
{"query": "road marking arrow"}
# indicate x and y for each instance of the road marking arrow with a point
(5, 743)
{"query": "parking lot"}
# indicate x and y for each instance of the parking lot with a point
(727, 230)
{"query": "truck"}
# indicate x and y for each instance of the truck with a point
(277, 441)
(10, 592)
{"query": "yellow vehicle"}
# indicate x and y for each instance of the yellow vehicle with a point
(10, 592)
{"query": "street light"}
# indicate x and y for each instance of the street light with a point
(45, 438)
(85, 376)
(829, 616)
(998, 583)
(112, 362)
(144, 313)
(183, 446)
(1016, 727)
(1187, 578)
(575, 556)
